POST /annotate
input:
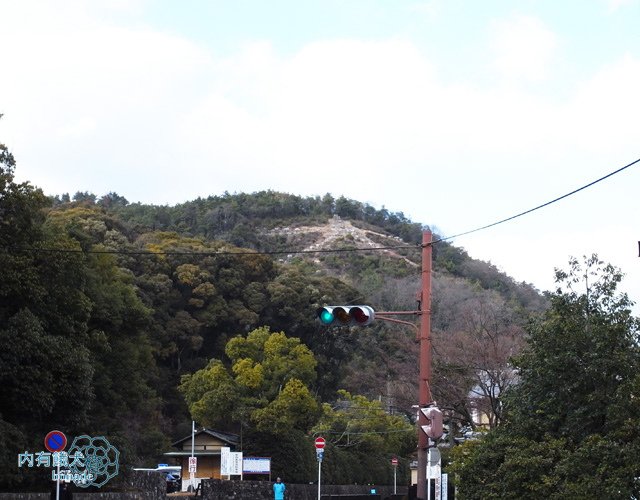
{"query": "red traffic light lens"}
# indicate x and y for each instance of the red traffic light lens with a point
(359, 315)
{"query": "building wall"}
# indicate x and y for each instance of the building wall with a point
(203, 442)
(208, 466)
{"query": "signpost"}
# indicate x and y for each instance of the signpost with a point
(394, 463)
(192, 474)
(319, 442)
(230, 462)
(444, 485)
(256, 465)
(433, 472)
(225, 451)
(55, 442)
(235, 464)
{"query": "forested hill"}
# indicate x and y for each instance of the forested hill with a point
(270, 221)
(129, 320)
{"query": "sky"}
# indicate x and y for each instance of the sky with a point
(457, 113)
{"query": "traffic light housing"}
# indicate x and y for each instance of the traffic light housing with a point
(346, 315)
(434, 428)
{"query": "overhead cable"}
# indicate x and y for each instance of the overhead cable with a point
(316, 251)
(539, 206)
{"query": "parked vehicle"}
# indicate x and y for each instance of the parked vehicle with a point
(171, 475)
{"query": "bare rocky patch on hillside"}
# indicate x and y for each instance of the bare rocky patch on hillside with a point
(329, 236)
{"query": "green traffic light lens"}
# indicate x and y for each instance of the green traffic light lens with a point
(326, 316)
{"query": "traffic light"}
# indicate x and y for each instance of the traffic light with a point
(434, 428)
(346, 315)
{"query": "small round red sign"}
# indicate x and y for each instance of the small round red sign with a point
(319, 443)
(394, 461)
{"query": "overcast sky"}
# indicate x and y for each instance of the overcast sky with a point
(457, 113)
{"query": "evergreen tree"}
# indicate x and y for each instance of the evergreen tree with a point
(571, 422)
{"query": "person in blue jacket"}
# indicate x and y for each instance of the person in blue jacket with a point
(278, 489)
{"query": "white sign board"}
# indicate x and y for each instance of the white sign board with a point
(225, 459)
(193, 464)
(444, 485)
(235, 463)
(256, 465)
(434, 471)
(434, 456)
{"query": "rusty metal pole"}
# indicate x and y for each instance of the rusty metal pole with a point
(424, 381)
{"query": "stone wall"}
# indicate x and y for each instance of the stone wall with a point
(131, 495)
(151, 486)
(141, 485)
(24, 496)
(215, 489)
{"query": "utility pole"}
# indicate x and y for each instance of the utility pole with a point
(424, 380)
(364, 315)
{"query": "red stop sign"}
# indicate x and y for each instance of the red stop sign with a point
(394, 461)
(319, 443)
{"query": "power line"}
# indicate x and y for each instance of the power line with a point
(363, 433)
(326, 250)
(205, 253)
(539, 206)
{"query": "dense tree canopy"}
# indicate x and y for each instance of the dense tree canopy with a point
(362, 436)
(571, 421)
(267, 382)
(106, 305)
(263, 392)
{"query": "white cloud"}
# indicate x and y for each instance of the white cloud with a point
(89, 96)
(350, 109)
(427, 9)
(523, 47)
(344, 108)
(602, 114)
(615, 5)
(94, 105)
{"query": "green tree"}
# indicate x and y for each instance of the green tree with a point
(211, 394)
(45, 371)
(293, 408)
(264, 394)
(267, 383)
(21, 218)
(568, 422)
(361, 438)
(578, 357)
(37, 373)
